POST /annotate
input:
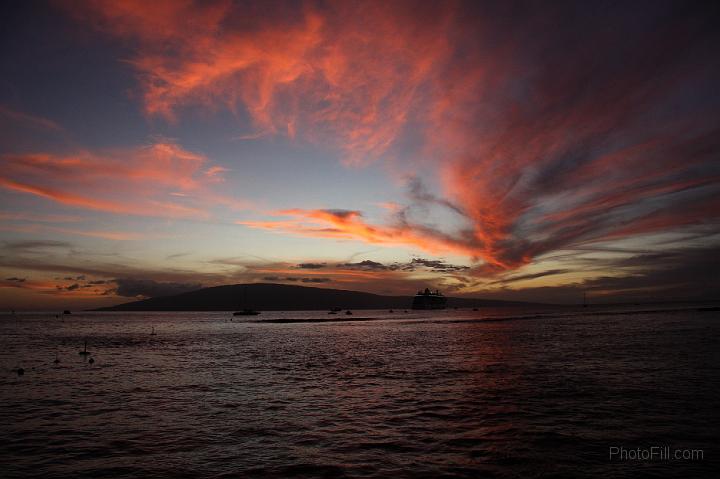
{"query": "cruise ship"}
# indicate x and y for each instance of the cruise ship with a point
(429, 300)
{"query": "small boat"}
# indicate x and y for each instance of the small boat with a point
(67, 311)
(84, 352)
(245, 311)
(348, 312)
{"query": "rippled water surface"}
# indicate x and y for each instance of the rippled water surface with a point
(503, 393)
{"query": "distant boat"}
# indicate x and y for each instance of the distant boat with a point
(246, 311)
(67, 312)
(84, 352)
(348, 312)
(429, 300)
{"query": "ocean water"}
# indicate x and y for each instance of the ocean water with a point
(491, 393)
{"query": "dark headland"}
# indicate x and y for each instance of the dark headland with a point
(280, 297)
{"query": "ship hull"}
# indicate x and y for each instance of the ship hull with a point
(429, 302)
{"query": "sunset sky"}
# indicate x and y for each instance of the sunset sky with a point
(512, 150)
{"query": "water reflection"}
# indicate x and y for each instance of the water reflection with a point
(418, 393)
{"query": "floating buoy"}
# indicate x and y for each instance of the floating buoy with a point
(20, 371)
(91, 361)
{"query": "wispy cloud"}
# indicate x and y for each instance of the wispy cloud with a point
(538, 156)
(350, 225)
(135, 181)
(28, 119)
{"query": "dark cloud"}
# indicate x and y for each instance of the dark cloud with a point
(365, 265)
(437, 266)
(30, 245)
(131, 287)
(311, 265)
(521, 277)
(343, 213)
(419, 194)
(110, 270)
(690, 274)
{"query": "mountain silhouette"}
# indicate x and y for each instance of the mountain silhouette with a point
(281, 297)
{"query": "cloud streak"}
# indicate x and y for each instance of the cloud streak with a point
(350, 225)
(537, 155)
(161, 180)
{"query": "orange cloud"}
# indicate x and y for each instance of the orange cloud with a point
(345, 224)
(161, 180)
(539, 155)
(324, 74)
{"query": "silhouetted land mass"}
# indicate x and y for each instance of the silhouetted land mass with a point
(281, 297)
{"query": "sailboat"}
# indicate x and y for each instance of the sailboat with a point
(246, 311)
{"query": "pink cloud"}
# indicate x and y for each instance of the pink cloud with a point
(161, 179)
(544, 138)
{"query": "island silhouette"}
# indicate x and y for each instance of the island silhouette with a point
(282, 297)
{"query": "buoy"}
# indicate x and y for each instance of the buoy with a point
(91, 361)
(20, 371)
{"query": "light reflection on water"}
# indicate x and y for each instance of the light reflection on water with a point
(430, 394)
